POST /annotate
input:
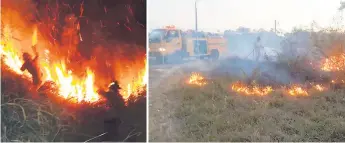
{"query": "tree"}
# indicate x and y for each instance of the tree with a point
(243, 30)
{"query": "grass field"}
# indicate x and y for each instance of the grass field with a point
(45, 119)
(214, 113)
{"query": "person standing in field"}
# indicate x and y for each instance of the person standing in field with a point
(257, 49)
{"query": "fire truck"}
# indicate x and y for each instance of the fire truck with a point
(169, 44)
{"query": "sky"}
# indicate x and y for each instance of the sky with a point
(214, 15)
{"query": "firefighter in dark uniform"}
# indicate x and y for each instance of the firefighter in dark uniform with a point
(31, 64)
(112, 122)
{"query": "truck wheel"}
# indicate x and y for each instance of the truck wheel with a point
(214, 55)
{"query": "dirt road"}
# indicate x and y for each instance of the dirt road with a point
(163, 125)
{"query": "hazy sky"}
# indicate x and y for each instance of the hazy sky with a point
(216, 15)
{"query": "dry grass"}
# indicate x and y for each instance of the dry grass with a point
(26, 120)
(46, 119)
(214, 113)
(162, 125)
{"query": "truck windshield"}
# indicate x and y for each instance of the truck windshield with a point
(156, 35)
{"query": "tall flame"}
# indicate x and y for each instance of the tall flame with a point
(34, 36)
(77, 85)
(136, 87)
(71, 87)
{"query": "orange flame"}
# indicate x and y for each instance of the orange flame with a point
(251, 90)
(333, 63)
(78, 28)
(136, 87)
(70, 87)
(34, 37)
(78, 86)
(297, 91)
(197, 79)
(81, 9)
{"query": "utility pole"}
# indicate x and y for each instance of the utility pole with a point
(196, 25)
(275, 26)
(196, 16)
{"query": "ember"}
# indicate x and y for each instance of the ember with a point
(197, 79)
(251, 90)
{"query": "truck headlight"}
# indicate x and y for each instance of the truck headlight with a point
(161, 49)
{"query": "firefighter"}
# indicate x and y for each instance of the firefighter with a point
(113, 121)
(31, 64)
(115, 97)
(257, 49)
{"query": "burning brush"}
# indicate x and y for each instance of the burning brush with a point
(196, 79)
(333, 63)
(296, 90)
(76, 86)
(251, 89)
(293, 90)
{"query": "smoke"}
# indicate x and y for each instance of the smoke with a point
(342, 6)
(286, 55)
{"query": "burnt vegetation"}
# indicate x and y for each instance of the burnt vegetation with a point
(39, 116)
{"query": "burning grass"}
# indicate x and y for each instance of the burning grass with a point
(226, 117)
(196, 79)
(291, 112)
(71, 104)
(75, 88)
(251, 90)
(61, 61)
(334, 63)
(296, 90)
(305, 101)
(40, 118)
(255, 89)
